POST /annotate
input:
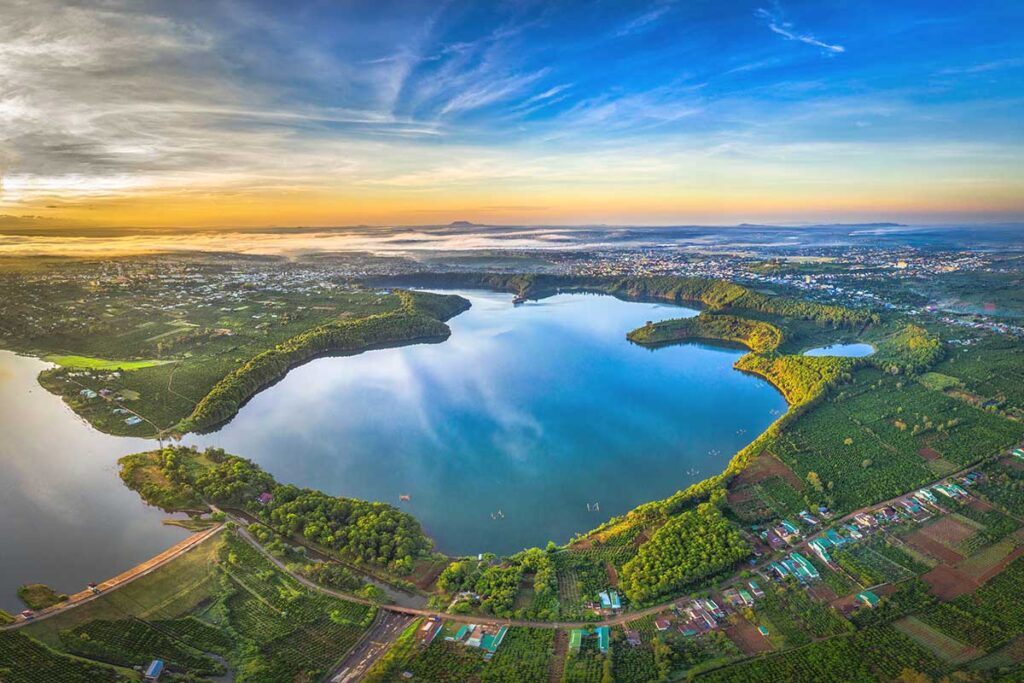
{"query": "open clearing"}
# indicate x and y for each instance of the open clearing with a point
(87, 363)
(747, 638)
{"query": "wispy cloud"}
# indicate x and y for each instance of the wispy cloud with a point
(776, 23)
(645, 20)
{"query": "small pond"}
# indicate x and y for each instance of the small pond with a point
(846, 350)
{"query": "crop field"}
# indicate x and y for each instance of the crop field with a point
(26, 660)
(949, 531)
(989, 616)
(870, 435)
(875, 563)
(523, 657)
(878, 653)
(797, 618)
(633, 663)
(991, 370)
(586, 666)
(293, 631)
(581, 575)
(133, 642)
(941, 645)
(443, 662)
(1003, 485)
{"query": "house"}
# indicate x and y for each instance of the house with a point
(265, 498)
(809, 518)
(133, 420)
(732, 596)
(429, 630)
(154, 670)
(820, 547)
(926, 494)
(773, 539)
(577, 635)
(610, 599)
(867, 599)
(755, 589)
(662, 624)
(747, 598)
(88, 393)
(824, 511)
(633, 638)
(864, 521)
(854, 531)
(802, 567)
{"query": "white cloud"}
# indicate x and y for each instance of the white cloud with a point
(773, 18)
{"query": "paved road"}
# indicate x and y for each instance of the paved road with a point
(385, 630)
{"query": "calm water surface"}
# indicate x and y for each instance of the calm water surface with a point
(503, 434)
(65, 517)
(846, 350)
(534, 411)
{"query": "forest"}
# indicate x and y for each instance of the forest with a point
(357, 530)
(756, 335)
(691, 546)
(420, 318)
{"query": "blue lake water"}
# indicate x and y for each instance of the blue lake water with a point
(65, 517)
(533, 410)
(847, 350)
(503, 434)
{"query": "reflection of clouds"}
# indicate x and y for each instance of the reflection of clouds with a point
(51, 459)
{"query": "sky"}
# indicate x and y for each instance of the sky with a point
(226, 113)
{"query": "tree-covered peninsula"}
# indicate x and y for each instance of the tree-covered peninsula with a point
(181, 478)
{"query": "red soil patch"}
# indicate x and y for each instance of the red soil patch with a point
(979, 504)
(948, 583)
(1012, 461)
(848, 603)
(764, 467)
(919, 541)
(737, 496)
(821, 592)
(424, 577)
(747, 638)
(929, 454)
(613, 576)
(948, 531)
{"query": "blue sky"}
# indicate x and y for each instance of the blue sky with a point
(573, 111)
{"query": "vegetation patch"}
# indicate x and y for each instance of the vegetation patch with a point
(39, 595)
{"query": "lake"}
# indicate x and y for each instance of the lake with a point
(65, 517)
(502, 435)
(847, 350)
(533, 411)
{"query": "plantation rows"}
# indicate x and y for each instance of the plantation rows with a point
(863, 657)
(1003, 485)
(587, 666)
(633, 663)
(132, 642)
(988, 616)
(26, 660)
(870, 567)
(798, 618)
(295, 634)
(524, 657)
(863, 445)
(444, 662)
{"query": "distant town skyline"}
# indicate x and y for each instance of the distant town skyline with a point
(236, 114)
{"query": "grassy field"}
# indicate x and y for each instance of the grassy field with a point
(168, 592)
(87, 363)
